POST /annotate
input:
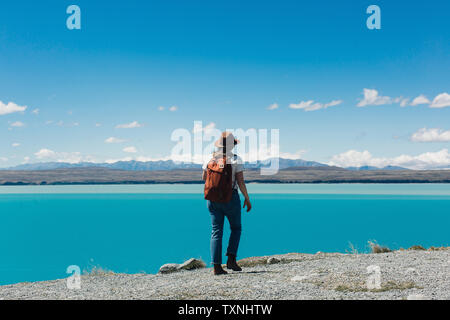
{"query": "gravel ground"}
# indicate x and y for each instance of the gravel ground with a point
(403, 274)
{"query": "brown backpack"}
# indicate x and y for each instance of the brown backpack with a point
(218, 184)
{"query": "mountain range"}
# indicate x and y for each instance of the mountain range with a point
(171, 165)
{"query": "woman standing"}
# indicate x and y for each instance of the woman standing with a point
(223, 174)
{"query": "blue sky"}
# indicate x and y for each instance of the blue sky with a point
(226, 62)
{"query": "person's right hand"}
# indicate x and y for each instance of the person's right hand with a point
(247, 204)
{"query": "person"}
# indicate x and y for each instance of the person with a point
(231, 210)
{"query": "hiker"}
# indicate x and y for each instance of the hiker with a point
(223, 174)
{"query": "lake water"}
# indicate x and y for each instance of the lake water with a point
(137, 228)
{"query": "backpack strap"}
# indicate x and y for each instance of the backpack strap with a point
(224, 146)
(235, 180)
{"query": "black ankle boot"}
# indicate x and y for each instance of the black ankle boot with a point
(232, 264)
(218, 270)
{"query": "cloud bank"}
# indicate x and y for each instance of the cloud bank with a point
(310, 105)
(441, 101)
(424, 161)
(431, 135)
(372, 98)
(69, 157)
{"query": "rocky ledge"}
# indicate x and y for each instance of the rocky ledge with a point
(405, 274)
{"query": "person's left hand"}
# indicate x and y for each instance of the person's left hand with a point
(247, 204)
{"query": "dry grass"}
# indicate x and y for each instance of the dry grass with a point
(252, 261)
(438, 248)
(417, 247)
(352, 250)
(373, 246)
(97, 271)
(376, 248)
(388, 286)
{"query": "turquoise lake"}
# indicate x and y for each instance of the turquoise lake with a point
(137, 228)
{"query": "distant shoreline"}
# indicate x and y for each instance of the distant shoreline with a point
(19, 184)
(298, 175)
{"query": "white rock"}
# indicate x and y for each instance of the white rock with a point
(299, 278)
(168, 268)
(192, 264)
(411, 270)
(273, 260)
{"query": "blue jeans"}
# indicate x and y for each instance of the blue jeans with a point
(218, 211)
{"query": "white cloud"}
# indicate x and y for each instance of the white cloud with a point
(428, 160)
(265, 152)
(403, 102)
(130, 125)
(138, 158)
(15, 144)
(17, 124)
(45, 153)
(117, 160)
(431, 135)
(313, 106)
(260, 154)
(70, 157)
(441, 101)
(35, 111)
(273, 106)
(98, 125)
(353, 158)
(130, 149)
(371, 98)
(61, 123)
(114, 140)
(172, 108)
(420, 100)
(3, 159)
(11, 107)
(294, 156)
